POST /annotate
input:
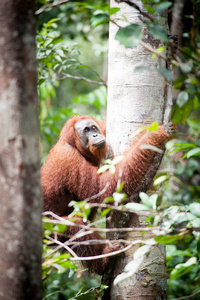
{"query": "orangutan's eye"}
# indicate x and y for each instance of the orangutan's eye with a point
(94, 128)
(86, 129)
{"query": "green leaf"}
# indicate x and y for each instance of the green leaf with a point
(153, 126)
(119, 197)
(184, 145)
(108, 161)
(182, 269)
(113, 10)
(171, 211)
(105, 212)
(154, 55)
(176, 179)
(193, 152)
(149, 9)
(187, 66)
(163, 6)
(168, 239)
(194, 123)
(158, 31)
(196, 101)
(120, 187)
(161, 49)
(149, 201)
(49, 24)
(182, 98)
(172, 251)
(112, 169)
(151, 147)
(145, 199)
(181, 114)
(183, 217)
(153, 200)
(160, 180)
(195, 209)
(99, 19)
(108, 199)
(136, 206)
(60, 228)
(48, 225)
(166, 74)
(117, 159)
(130, 36)
(103, 169)
(194, 223)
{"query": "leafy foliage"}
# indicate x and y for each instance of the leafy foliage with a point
(130, 36)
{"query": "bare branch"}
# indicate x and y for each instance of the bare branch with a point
(147, 242)
(63, 245)
(187, 297)
(132, 4)
(81, 78)
(99, 194)
(84, 258)
(152, 50)
(88, 227)
(44, 7)
(101, 82)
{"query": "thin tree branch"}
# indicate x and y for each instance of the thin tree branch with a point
(44, 7)
(99, 194)
(147, 242)
(132, 4)
(89, 227)
(152, 50)
(81, 78)
(63, 245)
(187, 297)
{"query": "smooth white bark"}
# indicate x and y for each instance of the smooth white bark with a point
(136, 99)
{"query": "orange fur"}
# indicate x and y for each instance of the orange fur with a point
(69, 174)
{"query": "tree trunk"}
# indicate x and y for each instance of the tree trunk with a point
(20, 213)
(135, 99)
(177, 29)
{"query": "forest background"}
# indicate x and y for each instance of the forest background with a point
(72, 43)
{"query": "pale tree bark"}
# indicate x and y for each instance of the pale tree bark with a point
(20, 213)
(135, 99)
